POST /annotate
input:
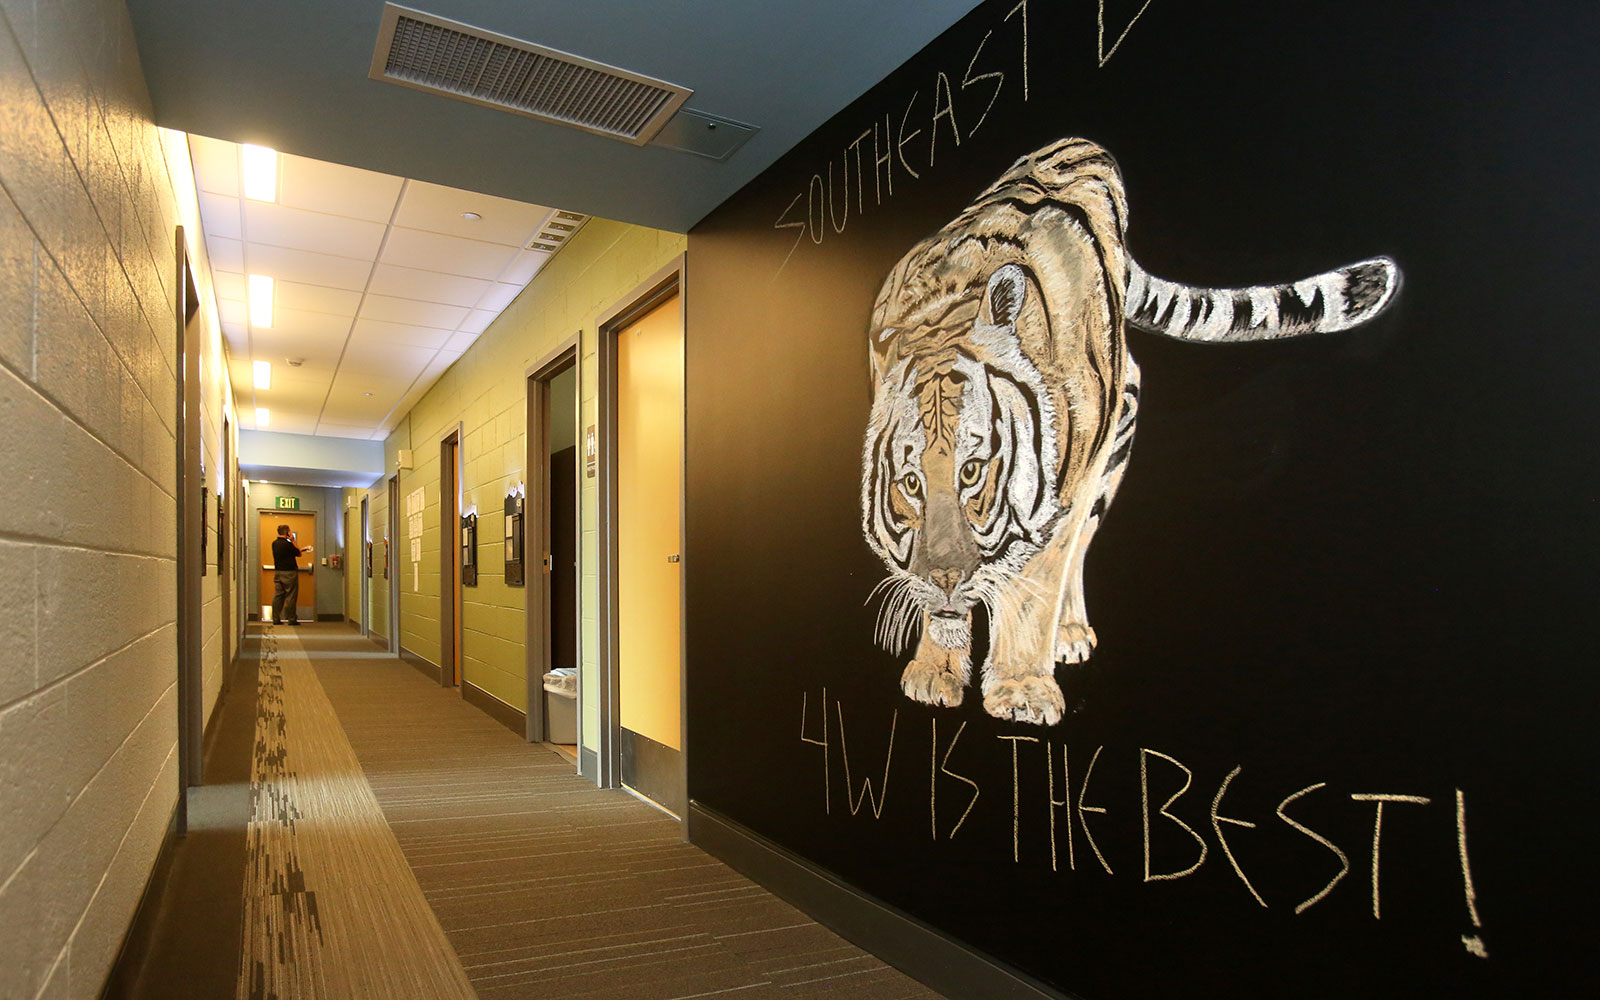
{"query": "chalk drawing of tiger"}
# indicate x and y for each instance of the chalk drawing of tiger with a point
(1003, 414)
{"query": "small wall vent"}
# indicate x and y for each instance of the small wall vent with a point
(441, 56)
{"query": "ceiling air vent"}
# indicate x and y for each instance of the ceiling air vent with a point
(556, 231)
(441, 56)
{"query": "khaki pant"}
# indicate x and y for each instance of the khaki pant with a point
(285, 595)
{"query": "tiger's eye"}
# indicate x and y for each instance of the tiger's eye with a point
(912, 484)
(970, 472)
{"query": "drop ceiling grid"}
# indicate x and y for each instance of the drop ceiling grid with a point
(379, 305)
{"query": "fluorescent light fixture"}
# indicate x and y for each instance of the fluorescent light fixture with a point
(263, 418)
(263, 370)
(260, 301)
(260, 166)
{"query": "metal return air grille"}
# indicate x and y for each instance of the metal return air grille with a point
(447, 57)
(557, 230)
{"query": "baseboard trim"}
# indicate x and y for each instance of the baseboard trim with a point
(925, 954)
(427, 667)
(137, 942)
(589, 764)
(494, 708)
(379, 638)
(327, 617)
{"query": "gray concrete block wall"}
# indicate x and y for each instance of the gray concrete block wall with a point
(89, 199)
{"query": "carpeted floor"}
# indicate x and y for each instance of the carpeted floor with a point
(330, 906)
(548, 887)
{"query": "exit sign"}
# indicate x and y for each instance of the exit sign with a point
(288, 503)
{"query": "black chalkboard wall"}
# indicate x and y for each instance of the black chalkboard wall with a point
(1348, 571)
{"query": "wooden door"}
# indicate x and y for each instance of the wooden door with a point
(304, 525)
(649, 507)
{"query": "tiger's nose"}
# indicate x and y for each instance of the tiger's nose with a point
(947, 580)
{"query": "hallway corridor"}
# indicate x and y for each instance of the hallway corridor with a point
(402, 844)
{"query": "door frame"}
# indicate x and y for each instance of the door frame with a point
(393, 563)
(224, 560)
(365, 570)
(265, 594)
(536, 534)
(450, 558)
(647, 295)
(190, 523)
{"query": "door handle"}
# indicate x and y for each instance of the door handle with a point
(674, 558)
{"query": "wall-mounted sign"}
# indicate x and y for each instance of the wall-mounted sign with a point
(591, 457)
(288, 503)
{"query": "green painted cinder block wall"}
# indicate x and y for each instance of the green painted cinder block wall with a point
(484, 394)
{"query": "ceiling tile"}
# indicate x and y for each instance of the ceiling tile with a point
(383, 361)
(437, 366)
(360, 410)
(316, 298)
(388, 309)
(478, 320)
(238, 335)
(526, 265)
(498, 297)
(219, 216)
(308, 268)
(229, 284)
(438, 209)
(447, 254)
(279, 225)
(279, 345)
(318, 186)
(216, 165)
(460, 341)
(232, 312)
(325, 429)
(373, 331)
(324, 326)
(427, 286)
(225, 254)
(291, 423)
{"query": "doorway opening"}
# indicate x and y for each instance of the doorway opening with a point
(641, 539)
(452, 543)
(552, 544)
(303, 529)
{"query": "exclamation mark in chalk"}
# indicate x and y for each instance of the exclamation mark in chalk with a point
(1472, 942)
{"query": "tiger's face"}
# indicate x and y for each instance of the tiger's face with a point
(960, 465)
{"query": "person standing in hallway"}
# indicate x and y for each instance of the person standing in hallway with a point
(286, 577)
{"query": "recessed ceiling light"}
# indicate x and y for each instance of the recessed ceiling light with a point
(263, 370)
(263, 418)
(260, 167)
(471, 216)
(260, 301)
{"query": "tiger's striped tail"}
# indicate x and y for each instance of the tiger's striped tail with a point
(1325, 303)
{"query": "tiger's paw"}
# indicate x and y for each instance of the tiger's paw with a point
(1074, 642)
(931, 684)
(1035, 700)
